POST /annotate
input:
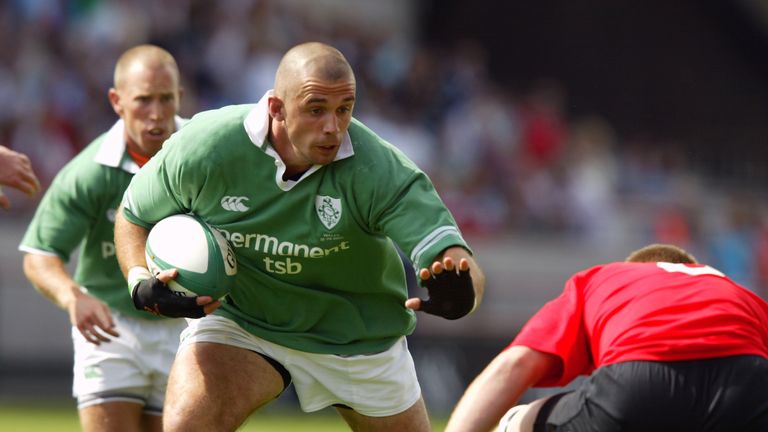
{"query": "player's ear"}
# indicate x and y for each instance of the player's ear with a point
(114, 100)
(276, 108)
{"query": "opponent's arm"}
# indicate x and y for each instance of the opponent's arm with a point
(455, 283)
(150, 292)
(91, 316)
(499, 387)
(16, 172)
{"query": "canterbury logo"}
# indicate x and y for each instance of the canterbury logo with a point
(233, 203)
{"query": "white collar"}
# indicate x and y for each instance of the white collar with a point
(257, 126)
(112, 150)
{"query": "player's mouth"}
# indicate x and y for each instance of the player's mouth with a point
(327, 149)
(156, 133)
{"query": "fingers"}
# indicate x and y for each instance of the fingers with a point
(94, 320)
(17, 172)
(464, 265)
(424, 274)
(447, 264)
(96, 334)
(208, 304)
(413, 303)
(26, 180)
(210, 307)
(30, 183)
(435, 269)
(166, 276)
(4, 201)
(93, 336)
(104, 323)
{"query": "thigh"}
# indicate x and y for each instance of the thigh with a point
(216, 387)
(114, 417)
(696, 395)
(693, 395)
(737, 394)
(414, 419)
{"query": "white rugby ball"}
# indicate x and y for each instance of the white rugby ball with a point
(203, 257)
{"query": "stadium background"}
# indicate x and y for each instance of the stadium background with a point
(561, 134)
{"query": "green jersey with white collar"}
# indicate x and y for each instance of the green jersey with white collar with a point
(78, 209)
(317, 268)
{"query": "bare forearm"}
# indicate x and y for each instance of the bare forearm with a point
(498, 388)
(130, 241)
(484, 402)
(49, 276)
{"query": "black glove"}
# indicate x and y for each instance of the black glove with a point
(451, 294)
(153, 296)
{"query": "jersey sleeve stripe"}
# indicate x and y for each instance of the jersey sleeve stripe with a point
(36, 251)
(431, 239)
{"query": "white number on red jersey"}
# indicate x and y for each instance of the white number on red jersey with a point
(693, 271)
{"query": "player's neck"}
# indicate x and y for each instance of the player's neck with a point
(294, 166)
(137, 157)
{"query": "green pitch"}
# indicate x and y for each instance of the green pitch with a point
(63, 418)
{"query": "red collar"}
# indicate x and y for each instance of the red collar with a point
(140, 159)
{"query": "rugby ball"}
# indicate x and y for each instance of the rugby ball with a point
(203, 257)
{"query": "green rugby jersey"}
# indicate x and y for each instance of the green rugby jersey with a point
(78, 209)
(317, 270)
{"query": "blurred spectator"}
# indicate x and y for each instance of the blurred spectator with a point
(761, 255)
(672, 225)
(544, 124)
(502, 162)
(733, 248)
(592, 177)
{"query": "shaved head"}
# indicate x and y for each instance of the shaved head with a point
(661, 253)
(311, 107)
(310, 61)
(144, 56)
(146, 96)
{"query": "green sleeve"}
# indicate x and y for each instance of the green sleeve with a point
(399, 201)
(65, 213)
(168, 184)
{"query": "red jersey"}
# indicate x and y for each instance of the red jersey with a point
(646, 311)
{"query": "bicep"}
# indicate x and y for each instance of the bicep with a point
(530, 365)
(130, 241)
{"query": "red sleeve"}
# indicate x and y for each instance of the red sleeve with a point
(558, 329)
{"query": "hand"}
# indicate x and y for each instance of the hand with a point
(92, 318)
(451, 292)
(16, 172)
(152, 295)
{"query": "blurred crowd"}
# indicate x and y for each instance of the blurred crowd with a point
(505, 161)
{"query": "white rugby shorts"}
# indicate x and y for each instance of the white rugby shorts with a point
(133, 367)
(376, 385)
